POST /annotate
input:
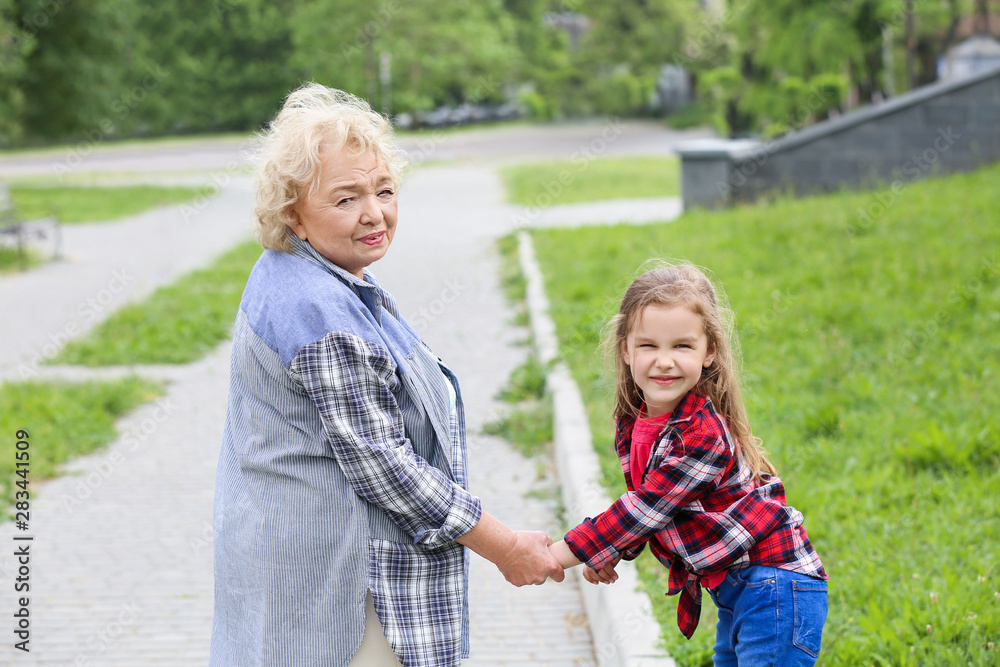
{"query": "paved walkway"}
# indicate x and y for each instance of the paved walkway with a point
(513, 143)
(121, 561)
(109, 264)
(121, 570)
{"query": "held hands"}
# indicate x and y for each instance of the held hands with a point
(532, 558)
(528, 560)
(606, 575)
(523, 557)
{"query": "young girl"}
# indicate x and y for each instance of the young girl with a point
(701, 491)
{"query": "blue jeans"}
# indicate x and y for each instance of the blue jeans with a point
(769, 616)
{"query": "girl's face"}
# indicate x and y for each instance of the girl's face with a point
(666, 351)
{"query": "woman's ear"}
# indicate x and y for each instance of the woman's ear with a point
(294, 222)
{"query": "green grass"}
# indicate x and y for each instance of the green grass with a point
(177, 324)
(512, 281)
(583, 180)
(526, 383)
(98, 204)
(528, 427)
(528, 424)
(871, 373)
(62, 421)
(10, 259)
(113, 146)
(693, 115)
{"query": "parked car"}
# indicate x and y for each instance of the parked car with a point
(463, 114)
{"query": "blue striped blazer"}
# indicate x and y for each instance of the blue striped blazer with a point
(342, 471)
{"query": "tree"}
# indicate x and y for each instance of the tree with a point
(628, 43)
(15, 45)
(224, 64)
(71, 74)
(642, 34)
(935, 26)
(441, 52)
(788, 51)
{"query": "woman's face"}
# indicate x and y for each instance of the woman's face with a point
(350, 218)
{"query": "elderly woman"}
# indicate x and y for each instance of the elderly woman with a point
(342, 514)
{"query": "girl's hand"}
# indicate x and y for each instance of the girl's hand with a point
(606, 575)
(560, 551)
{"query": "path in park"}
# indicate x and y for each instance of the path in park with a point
(492, 145)
(120, 566)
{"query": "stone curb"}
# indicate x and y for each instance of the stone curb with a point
(621, 619)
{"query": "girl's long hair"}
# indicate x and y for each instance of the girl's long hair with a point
(686, 285)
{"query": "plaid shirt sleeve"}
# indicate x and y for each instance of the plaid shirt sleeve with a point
(687, 472)
(351, 381)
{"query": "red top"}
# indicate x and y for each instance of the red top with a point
(707, 511)
(645, 432)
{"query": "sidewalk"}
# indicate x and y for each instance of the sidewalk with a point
(121, 558)
(106, 265)
(443, 269)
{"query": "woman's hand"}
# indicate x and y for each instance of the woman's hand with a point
(528, 561)
(523, 557)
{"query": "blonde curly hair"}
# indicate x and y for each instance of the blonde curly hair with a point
(314, 119)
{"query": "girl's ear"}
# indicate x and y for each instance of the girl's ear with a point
(710, 357)
(623, 348)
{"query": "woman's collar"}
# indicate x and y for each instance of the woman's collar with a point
(305, 250)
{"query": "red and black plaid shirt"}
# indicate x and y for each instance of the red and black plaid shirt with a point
(703, 507)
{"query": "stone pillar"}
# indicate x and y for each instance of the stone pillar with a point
(706, 171)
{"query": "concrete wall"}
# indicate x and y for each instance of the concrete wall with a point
(937, 129)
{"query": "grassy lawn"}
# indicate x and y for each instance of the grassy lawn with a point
(528, 422)
(98, 204)
(871, 372)
(10, 259)
(177, 324)
(113, 146)
(62, 421)
(580, 180)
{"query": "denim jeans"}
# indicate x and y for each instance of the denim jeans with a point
(769, 616)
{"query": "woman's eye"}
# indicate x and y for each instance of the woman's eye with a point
(345, 200)
(386, 193)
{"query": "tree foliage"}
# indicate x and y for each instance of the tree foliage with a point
(15, 45)
(74, 69)
(104, 69)
(437, 52)
(222, 64)
(800, 59)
